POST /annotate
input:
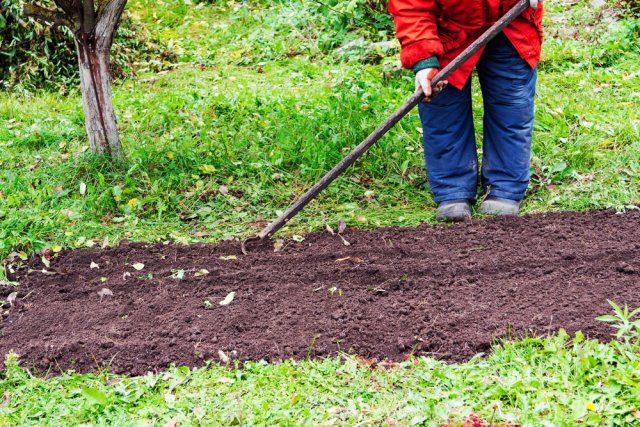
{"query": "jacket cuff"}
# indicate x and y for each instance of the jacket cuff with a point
(431, 62)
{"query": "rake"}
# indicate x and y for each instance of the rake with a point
(394, 118)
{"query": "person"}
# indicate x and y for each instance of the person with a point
(431, 34)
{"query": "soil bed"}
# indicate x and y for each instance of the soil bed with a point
(445, 291)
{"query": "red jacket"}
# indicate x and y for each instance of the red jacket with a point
(443, 28)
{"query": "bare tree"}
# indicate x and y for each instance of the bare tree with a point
(93, 23)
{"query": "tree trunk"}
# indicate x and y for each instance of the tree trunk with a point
(95, 83)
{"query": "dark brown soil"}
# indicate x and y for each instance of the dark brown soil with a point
(447, 292)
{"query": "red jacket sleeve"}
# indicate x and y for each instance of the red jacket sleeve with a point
(416, 29)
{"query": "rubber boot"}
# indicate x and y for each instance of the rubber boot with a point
(454, 211)
(499, 207)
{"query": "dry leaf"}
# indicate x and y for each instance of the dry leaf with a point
(344, 241)
(201, 272)
(343, 259)
(138, 266)
(6, 399)
(228, 258)
(223, 189)
(199, 412)
(278, 245)
(46, 262)
(173, 422)
(342, 226)
(225, 380)
(330, 230)
(94, 265)
(177, 274)
(125, 275)
(227, 300)
(298, 239)
(223, 357)
(105, 292)
(12, 298)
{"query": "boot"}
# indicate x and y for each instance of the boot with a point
(454, 211)
(499, 207)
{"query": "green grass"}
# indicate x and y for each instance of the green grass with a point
(549, 382)
(237, 111)
(259, 102)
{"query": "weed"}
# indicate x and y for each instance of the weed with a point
(626, 323)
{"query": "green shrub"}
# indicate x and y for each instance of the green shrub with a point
(36, 55)
(369, 17)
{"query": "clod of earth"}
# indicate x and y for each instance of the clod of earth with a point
(444, 291)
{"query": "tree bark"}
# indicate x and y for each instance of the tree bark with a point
(95, 83)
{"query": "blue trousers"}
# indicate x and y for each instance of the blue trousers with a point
(508, 88)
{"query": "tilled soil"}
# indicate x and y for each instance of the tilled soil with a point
(445, 291)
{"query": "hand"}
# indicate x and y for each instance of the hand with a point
(423, 80)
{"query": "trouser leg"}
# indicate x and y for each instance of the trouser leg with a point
(508, 88)
(449, 144)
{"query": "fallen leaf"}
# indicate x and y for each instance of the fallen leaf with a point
(223, 189)
(344, 241)
(83, 188)
(278, 245)
(343, 259)
(12, 298)
(225, 380)
(342, 226)
(173, 422)
(298, 239)
(138, 266)
(228, 258)
(46, 262)
(104, 279)
(105, 292)
(201, 272)
(94, 265)
(125, 275)
(227, 300)
(207, 169)
(199, 412)
(223, 357)
(330, 230)
(177, 274)
(6, 399)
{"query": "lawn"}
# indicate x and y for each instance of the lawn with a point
(260, 102)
